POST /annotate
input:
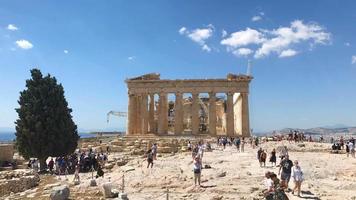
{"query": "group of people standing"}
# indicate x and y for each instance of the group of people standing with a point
(276, 188)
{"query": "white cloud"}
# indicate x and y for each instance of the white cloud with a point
(182, 30)
(288, 53)
(199, 35)
(131, 57)
(262, 13)
(347, 44)
(223, 33)
(353, 59)
(242, 52)
(24, 44)
(281, 41)
(256, 18)
(243, 38)
(282, 38)
(65, 51)
(12, 27)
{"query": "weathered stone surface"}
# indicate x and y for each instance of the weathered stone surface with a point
(107, 190)
(60, 193)
(16, 185)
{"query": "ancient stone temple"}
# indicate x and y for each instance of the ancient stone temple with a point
(151, 110)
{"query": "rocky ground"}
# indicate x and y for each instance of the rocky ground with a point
(233, 176)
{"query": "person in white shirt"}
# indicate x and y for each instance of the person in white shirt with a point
(297, 175)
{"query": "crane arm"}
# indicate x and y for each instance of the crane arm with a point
(115, 113)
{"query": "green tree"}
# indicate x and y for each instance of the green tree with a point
(45, 126)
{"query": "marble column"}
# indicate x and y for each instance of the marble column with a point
(144, 114)
(195, 113)
(212, 113)
(151, 114)
(178, 111)
(163, 114)
(131, 112)
(230, 115)
(138, 129)
(245, 118)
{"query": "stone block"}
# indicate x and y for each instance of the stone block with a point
(60, 193)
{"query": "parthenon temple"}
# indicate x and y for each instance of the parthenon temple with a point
(188, 107)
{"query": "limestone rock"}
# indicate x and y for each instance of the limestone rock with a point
(121, 162)
(107, 190)
(221, 174)
(60, 193)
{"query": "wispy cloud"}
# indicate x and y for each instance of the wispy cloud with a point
(288, 53)
(131, 58)
(347, 44)
(199, 35)
(65, 51)
(12, 27)
(223, 33)
(242, 52)
(24, 44)
(256, 18)
(353, 59)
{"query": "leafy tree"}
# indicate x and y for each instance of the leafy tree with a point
(45, 126)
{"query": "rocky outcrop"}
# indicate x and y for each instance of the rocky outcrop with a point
(60, 193)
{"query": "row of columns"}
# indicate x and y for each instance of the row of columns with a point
(141, 115)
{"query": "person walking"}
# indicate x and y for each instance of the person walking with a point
(286, 167)
(242, 144)
(197, 166)
(352, 149)
(263, 157)
(297, 175)
(273, 158)
(259, 152)
(150, 157)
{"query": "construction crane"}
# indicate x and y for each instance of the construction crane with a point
(115, 113)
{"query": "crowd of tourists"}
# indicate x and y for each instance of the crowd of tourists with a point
(74, 164)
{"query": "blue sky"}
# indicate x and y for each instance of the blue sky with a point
(303, 54)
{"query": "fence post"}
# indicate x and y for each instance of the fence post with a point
(123, 182)
(167, 195)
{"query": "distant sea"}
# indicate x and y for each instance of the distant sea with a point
(9, 136)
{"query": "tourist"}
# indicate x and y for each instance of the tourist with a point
(286, 167)
(150, 157)
(342, 142)
(76, 178)
(283, 153)
(269, 191)
(352, 149)
(273, 158)
(263, 157)
(297, 175)
(197, 170)
(154, 151)
(237, 143)
(99, 172)
(224, 142)
(278, 188)
(242, 149)
(259, 156)
(189, 146)
(195, 151)
(347, 150)
(51, 165)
